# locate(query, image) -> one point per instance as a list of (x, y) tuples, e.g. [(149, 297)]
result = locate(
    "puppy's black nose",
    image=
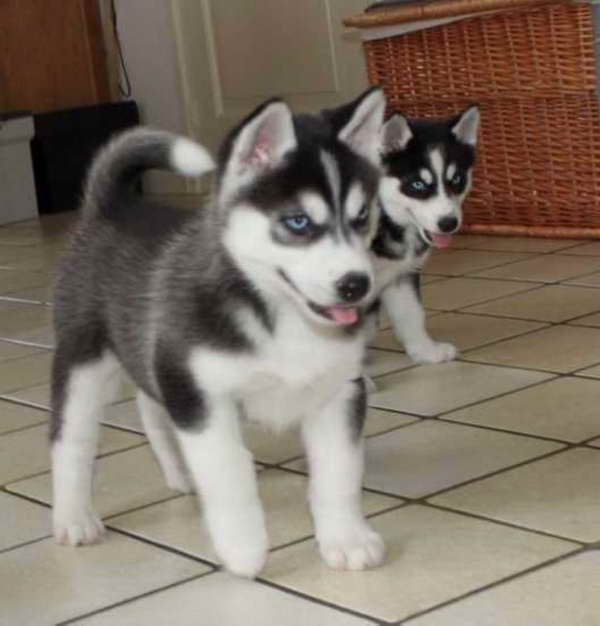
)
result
[(353, 286), (448, 224)]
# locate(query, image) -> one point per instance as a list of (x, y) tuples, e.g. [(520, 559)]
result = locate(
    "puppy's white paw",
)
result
[(432, 352), (355, 548), (179, 481), (78, 529), (245, 561)]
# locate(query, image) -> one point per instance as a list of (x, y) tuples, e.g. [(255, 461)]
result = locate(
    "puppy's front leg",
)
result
[(333, 439), (403, 305), (225, 477)]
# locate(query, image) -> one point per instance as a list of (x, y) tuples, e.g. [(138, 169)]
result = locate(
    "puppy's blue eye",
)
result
[(457, 180), (363, 214), (297, 223), (418, 185)]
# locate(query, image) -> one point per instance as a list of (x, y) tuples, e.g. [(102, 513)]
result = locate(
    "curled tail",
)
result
[(118, 166)]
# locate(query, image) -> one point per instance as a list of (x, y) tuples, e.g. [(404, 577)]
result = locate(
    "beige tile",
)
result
[(566, 409), (14, 280), (177, 523), (431, 278), (557, 495), (589, 280), (26, 322), (586, 248), (558, 349), (24, 372), (39, 258), (9, 350), (21, 521), (14, 416), (588, 320), (38, 295), (456, 263), (44, 583), (433, 389), (270, 447), (19, 316), (456, 293), (427, 457), (124, 415), (224, 601), (433, 557), (553, 303), (123, 481), (27, 452), (522, 244), (595, 442), (40, 395), (466, 240), (547, 268), (464, 331), (567, 592), (593, 372), (380, 362)]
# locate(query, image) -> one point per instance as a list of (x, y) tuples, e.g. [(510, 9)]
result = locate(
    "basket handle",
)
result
[(436, 9)]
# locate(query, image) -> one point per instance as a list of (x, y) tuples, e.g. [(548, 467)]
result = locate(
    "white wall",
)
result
[(147, 38)]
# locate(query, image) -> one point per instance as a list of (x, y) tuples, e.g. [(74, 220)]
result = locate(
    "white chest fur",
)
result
[(292, 372)]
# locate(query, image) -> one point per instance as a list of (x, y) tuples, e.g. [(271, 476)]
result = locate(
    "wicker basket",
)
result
[(530, 65)]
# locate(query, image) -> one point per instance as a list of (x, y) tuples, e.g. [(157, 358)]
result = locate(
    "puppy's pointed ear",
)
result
[(466, 126), (258, 144), (396, 133), (361, 129)]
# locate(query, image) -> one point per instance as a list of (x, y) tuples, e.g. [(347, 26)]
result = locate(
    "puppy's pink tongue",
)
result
[(441, 241), (342, 315)]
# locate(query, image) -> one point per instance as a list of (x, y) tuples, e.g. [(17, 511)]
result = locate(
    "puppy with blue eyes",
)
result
[(427, 175), (251, 308)]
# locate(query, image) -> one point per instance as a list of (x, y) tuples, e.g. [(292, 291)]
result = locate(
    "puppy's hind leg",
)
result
[(79, 390), (160, 433)]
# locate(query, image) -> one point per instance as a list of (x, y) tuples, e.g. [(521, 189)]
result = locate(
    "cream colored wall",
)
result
[(149, 47), (236, 53), (198, 66)]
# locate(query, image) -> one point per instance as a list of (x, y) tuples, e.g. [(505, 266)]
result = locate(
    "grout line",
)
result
[(23, 342), (23, 402), (72, 620), (20, 429), (24, 544), (104, 455), (502, 470), (497, 429), (537, 383), (315, 600), (25, 496), (466, 359), (164, 547), (107, 518), (496, 583), (501, 522)]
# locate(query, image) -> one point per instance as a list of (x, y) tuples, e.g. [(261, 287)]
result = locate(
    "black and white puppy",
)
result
[(427, 175), (253, 307)]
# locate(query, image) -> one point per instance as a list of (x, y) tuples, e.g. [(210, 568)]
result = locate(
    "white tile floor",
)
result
[(483, 475)]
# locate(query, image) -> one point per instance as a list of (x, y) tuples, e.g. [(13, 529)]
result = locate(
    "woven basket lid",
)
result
[(388, 14)]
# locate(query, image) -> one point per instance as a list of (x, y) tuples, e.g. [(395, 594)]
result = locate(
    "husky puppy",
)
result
[(427, 175), (253, 307)]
